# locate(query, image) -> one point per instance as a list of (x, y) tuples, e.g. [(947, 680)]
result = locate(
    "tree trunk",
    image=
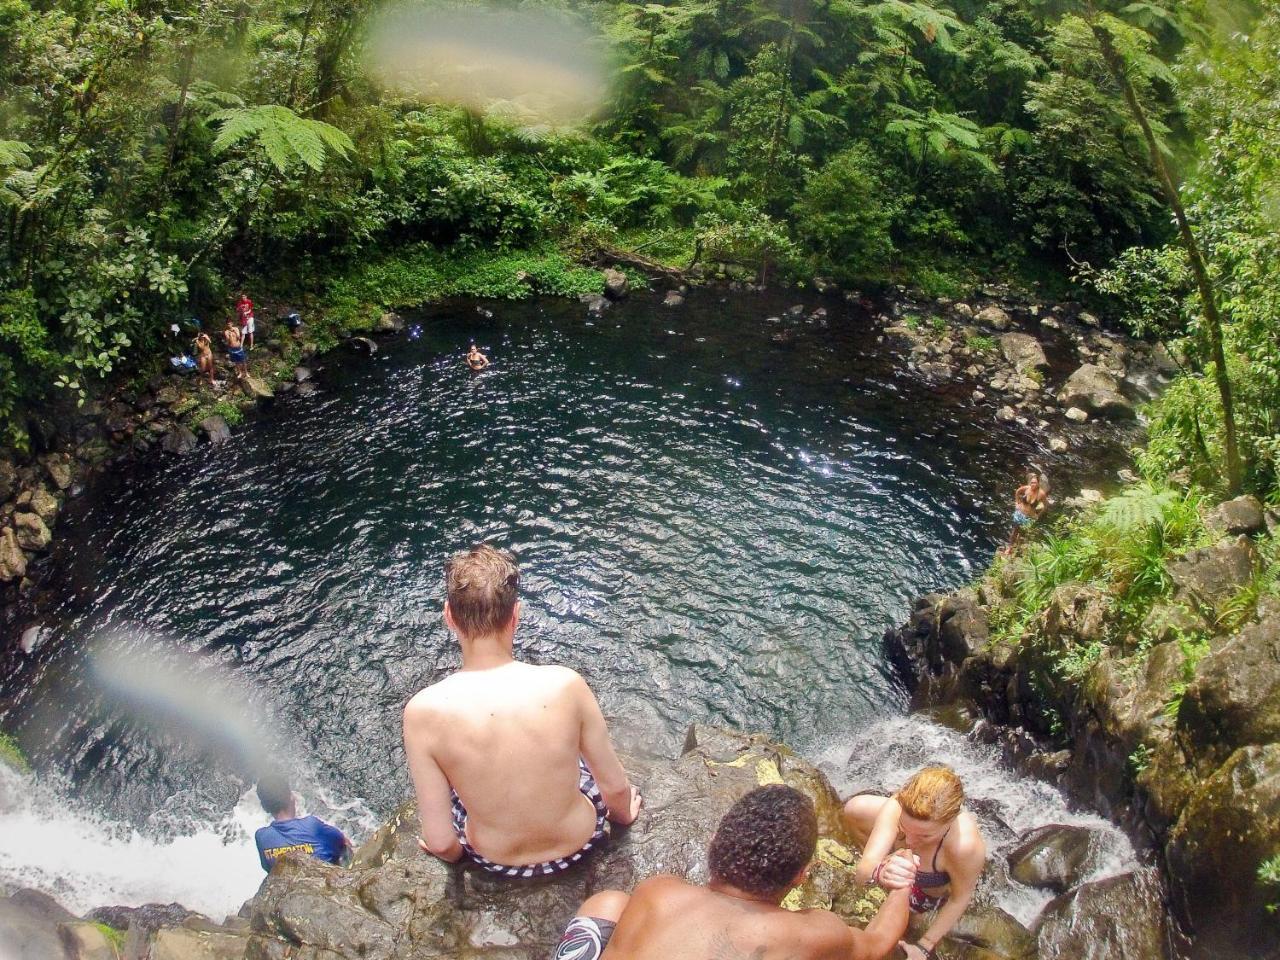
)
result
[(1204, 284)]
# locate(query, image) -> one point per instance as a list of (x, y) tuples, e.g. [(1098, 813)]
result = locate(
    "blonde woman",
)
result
[(922, 836)]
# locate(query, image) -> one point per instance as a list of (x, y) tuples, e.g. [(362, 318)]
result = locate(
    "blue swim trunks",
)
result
[(237, 355), (1020, 519)]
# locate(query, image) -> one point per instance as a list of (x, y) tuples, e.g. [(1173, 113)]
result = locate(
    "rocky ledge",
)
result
[(395, 902), (1181, 747)]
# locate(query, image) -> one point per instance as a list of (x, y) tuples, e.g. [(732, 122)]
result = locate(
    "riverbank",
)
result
[(1132, 658)]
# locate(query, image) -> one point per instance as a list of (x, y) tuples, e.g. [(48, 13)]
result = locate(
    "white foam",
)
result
[(85, 861), (882, 756)]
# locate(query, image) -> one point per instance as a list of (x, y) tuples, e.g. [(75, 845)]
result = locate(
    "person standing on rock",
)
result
[(927, 816), (1029, 504), (204, 356), (244, 311), (511, 763), (760, 852), (235, 349)]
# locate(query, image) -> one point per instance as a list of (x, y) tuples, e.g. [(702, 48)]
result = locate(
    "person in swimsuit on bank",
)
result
[(204, 356), (927, 817), (760, 852), (235, 349), (1029, 503), (476, 360), (511, 763)]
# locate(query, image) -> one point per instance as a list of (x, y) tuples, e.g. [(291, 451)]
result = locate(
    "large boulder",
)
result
[(215, 428), (29, 923), (993, 317), (61, 469), (1209, 576), (41, 502), (389, 322), (983, 932), (1097, 392), (1118, 917), (258, 388), (1076, 615), (616, 285), (1024, 352), (1229, 827), (179, 440), (1234, 698), (1243, 515), (31, 532), (13, 562), (396, 902), (1054, 857)]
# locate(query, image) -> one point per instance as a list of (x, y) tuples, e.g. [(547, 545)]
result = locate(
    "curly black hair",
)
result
[(765, 840)]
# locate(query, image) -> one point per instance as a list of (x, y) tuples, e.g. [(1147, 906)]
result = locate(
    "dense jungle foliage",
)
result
[(154, 155)]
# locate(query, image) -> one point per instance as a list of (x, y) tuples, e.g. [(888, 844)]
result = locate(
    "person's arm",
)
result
[(886, 928), (597, 749), (430, 786), (964, 881), (880, 841)]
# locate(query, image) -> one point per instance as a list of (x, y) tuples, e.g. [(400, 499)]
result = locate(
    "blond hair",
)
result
[(935, 793), (481, 585)]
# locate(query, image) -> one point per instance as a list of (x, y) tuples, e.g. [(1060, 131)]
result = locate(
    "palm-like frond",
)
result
[(284, 136)]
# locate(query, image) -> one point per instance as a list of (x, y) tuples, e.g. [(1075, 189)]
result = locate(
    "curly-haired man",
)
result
[(760, 852)]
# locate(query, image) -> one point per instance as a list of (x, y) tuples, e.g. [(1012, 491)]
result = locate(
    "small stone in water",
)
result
[(1077, 415)]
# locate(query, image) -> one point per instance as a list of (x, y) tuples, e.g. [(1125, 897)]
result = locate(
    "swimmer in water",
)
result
[(475, 359)]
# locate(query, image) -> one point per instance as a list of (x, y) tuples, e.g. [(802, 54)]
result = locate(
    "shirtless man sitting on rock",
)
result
[(511, 762), (760, 852)]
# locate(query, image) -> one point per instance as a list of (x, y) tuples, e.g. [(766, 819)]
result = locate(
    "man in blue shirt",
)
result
[(289, 833)]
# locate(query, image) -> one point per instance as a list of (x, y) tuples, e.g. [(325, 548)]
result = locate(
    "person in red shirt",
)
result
[(244, 310)]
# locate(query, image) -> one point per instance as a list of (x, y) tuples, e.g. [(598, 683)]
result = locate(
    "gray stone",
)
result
[(964, 311), (674, 298), (1024, 352), (301, 374), (1088, 319), (1058, 445), (31, 532), (986, 932), (1234, 698), (258, 389), (1118, 917), (84, 941), (306, 389), (29, 927), (59, 467), (993, 317), (185, 944), (1006, 414), (179, 440), (364, 344), (42, 503), (13, 562), (1095, 390), (1076, 415), (1054, 857), (1243, 515), (215, 429), (616, 285), (389, 322), (596, 304), (32, 639), (1211, 575)]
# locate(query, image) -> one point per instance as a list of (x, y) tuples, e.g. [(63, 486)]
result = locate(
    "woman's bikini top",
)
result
[(935, 877)]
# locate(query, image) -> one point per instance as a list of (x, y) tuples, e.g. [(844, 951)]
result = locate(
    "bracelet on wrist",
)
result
[(875, 874), (928, 951)]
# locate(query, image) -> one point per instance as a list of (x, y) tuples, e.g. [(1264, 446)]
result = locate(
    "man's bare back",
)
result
[(669, 918), (508, 740)]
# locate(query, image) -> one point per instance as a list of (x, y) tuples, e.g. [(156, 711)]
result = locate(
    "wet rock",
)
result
[(616, 285), (1234, 697), (1243, 515), (185, 944), (32, 639), (258, 389), (364, 345), (13, 562), (60, 470), (1211, 575), (301, 374), (1230, 824), (149, 916), (1053, 857), (85, 941), (1117, 917), (1024, 352), (215, 429), (1076, 415), (993, 317), (41, 502), (1096, 391), (395, 902), (596, 304), (674, 298), (963, 311), (389, 322), (986, 932), (1058, 445), (29, 923), (179, 440), (1006, 414), (31, 532), (1088, 319), (306, 389)]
